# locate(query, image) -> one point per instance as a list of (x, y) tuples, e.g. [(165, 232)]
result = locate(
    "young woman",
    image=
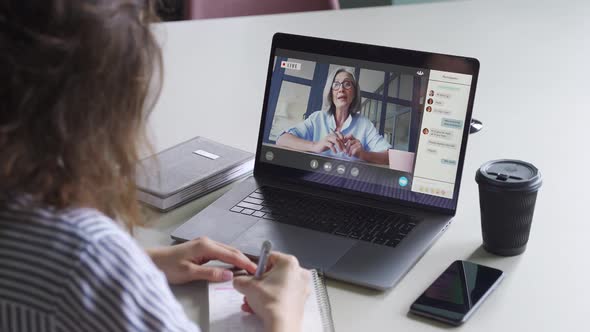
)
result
[(76, 76)]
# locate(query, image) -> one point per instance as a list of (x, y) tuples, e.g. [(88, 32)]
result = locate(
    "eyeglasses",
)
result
[(347, 85)]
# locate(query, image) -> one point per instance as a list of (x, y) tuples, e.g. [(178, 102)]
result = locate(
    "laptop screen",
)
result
[(378, 128)]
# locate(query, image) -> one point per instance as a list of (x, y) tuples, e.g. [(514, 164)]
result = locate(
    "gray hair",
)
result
[(355, 106)]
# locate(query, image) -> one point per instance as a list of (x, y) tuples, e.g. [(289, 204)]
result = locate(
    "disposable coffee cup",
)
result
[(507, 194)]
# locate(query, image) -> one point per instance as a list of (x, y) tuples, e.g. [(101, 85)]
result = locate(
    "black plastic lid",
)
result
[(510, 175)]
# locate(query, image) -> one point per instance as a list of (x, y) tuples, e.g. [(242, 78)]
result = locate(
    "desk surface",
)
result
[(530, 97)]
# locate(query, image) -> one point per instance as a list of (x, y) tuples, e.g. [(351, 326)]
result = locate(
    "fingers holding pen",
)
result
[(334, 141), (280, 293), (350, 142), (339, 136), (341, 140), (355, 149), (337, 144)]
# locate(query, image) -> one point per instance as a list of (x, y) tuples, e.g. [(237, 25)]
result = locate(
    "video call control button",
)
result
[(314, 164), (403, 181), (341, 169), (269, 155), (354, 172), (327, 166)]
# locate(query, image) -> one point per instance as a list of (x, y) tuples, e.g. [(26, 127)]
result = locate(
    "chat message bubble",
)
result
[(443, 95), (442, 111), (440, 144), (441, 133), (451, 123), (450, 162)]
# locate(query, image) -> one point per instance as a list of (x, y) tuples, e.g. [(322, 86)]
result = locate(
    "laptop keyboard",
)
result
[(339, 218)]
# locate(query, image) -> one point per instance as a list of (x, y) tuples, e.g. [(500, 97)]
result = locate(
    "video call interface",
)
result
[(377, 128)]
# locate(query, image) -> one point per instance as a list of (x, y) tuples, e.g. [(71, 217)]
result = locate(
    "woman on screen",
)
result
[(73, 109), (339, 130)]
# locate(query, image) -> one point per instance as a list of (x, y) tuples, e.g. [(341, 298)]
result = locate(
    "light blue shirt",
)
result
[(320, 124)]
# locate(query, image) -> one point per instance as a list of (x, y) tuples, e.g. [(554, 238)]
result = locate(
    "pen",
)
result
[(337, 134), (340, 136), (263, 259)]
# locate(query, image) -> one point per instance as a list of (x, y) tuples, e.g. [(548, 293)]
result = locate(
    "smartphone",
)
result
[(457, 292)]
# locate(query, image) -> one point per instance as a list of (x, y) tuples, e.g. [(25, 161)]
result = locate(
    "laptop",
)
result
[(359, 159)]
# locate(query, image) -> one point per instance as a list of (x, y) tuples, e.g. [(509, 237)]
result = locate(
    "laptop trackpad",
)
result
[(312, 249)]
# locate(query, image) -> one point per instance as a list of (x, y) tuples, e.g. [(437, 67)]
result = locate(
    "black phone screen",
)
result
[(457, 291)]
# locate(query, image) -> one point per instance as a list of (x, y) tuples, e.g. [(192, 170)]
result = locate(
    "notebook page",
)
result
[(225, 313)]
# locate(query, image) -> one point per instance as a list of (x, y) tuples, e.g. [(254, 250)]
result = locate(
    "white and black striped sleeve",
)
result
[(116, 287)]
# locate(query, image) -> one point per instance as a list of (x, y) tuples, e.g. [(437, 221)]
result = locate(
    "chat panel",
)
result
[(441, 132)]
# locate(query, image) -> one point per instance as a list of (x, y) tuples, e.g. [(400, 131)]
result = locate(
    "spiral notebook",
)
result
[(225, 313)]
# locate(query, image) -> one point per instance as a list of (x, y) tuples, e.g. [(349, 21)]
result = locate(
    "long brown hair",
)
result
[(76, 75)]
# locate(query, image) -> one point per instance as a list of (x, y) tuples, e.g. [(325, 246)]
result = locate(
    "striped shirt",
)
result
[(77, 270)]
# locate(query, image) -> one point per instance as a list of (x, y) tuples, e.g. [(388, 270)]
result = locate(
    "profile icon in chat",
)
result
[(429, 109), (430, 101), (431, 93), (425, 131)]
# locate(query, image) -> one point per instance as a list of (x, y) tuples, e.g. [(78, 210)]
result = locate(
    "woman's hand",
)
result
[(332, 141), (354, 148), (183, 262), (279, 296)]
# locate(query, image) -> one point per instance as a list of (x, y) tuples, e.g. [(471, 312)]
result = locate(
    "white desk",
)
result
[(532, 97)]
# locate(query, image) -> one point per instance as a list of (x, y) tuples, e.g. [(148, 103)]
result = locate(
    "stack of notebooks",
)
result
[(189, 170)]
